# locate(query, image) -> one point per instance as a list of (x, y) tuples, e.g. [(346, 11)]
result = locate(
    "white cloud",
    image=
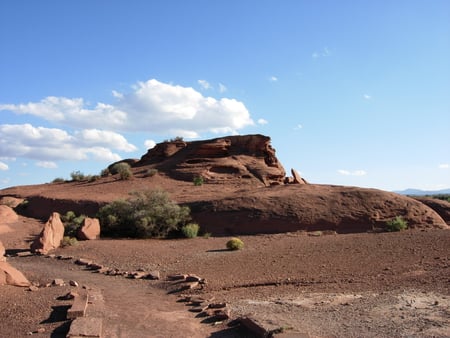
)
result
[(298, 127), (152, 106), (352, 173), (3, 166), (204, 84), (273, 79), (444, 166), (222, 88), (367, 96), (50, 144), (262, 121), (105, 138), (47, 164), (149, 144)]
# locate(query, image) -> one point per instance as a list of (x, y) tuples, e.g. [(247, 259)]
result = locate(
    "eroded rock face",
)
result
[(89, 230), (51, 236), (311, 207), (248, 157), (7, 215), (11, 276), (2, 252), (440, 206)]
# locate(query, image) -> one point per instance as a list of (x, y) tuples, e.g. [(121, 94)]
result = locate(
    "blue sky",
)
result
[(351, 92)]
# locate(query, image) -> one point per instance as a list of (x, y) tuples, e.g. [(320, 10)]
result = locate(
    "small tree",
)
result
[(144, 214)]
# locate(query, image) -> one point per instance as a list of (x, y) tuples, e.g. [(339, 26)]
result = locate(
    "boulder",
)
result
[(50, 237), (2, 252), (11, 276), (297, 178), (89, 230), (7, 215)]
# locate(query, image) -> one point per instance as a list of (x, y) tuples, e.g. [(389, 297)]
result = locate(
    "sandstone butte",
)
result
[(245, 190)]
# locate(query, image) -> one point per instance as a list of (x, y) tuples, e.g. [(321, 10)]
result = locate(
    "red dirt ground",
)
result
[(354, 285)]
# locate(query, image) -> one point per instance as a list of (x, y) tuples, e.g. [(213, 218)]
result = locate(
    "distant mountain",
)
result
[(418, 192)]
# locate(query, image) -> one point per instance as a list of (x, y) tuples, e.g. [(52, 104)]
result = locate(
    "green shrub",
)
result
[(59, 180), (190, 230), (396, 224), (69, 241), (72, 223), (207, 235), (198, 180), (105, 172), (77, 176), (235, 244), (143, 215), (123, 169), (150, 172)]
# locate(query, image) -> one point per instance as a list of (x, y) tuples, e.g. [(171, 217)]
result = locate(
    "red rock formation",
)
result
[(2, 252), (89, 230), (7, 215), (11, 276), (51, 236), (248, 157)]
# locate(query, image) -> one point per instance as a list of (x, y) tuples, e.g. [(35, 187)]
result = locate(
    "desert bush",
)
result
[(105, 172), (72, 223), (69, 241), (123, 169), (77, 176), (150, 172), (143, 215), (396, 224), (235, 244), (190, 230), (59, 180), (198, 180)]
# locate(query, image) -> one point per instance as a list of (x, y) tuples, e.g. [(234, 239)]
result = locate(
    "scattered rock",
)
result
[(153, 275), (73, 283), (58, 282), (70, 295), (33, 288), (176, 277), (24, 253), (79, 306), (193, 278), (11, 276), (51, 236), (7, 215), (86, 327), (253, 326), (297, 178), (89, 230), (83, 261)]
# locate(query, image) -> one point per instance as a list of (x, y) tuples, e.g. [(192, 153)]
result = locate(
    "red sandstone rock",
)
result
[(11, 276), (2, 252), (7, 215), (50, 237), (89, 230)]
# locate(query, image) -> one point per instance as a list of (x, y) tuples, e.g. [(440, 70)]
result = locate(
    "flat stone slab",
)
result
[(86, 327), (79, 306)]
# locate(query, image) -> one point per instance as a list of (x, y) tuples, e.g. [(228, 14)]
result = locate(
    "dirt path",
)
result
[(356, 285)]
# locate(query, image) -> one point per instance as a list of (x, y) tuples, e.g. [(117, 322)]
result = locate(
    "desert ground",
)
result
[(353, 285), (316, 260)]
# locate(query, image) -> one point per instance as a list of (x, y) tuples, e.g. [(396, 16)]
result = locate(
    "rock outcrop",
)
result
[(440, 206), (51, 236), (11, 276), (2, 252), (90, 229), (248, 157), (7, 215), (311, 207)]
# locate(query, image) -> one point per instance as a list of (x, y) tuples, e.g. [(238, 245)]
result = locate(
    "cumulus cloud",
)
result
[(3, 166), (262, 121), (204, 84), (149, 144), (151, 106), (444, 166), (47, 164), (50, 144), (352, 173)]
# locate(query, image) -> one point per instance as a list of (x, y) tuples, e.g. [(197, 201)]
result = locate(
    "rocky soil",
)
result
[(354, 285)]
